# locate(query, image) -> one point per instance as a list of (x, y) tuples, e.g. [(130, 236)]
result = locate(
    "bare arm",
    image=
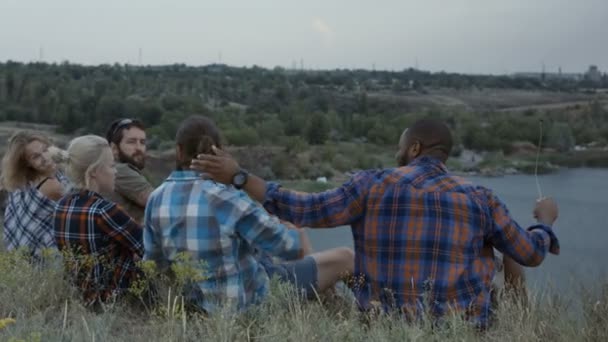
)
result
[(52, 189), (514, 275)]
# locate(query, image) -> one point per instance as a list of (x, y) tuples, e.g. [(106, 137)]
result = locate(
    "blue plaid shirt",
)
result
[(223, 228), (28, 219)]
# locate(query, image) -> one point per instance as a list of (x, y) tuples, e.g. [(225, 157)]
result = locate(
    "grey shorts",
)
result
[(301, 273)]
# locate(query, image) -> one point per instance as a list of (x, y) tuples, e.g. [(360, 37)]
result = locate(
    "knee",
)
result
[(347, 258)]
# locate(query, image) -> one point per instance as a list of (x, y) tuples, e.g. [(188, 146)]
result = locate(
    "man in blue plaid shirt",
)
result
[(233, 235)]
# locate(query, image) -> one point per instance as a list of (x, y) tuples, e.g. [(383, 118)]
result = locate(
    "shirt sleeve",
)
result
[(120, 227), (340, 206), (252, 223), (152, 239), (130, 183), (529, 246)]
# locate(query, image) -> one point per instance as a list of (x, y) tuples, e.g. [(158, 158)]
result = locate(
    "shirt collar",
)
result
[(186, 176), (429, 161), (86, 193)]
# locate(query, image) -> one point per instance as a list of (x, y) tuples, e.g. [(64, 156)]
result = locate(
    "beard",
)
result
[(137, 159)]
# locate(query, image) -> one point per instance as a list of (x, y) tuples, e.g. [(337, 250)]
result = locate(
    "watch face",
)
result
[(239, 179)]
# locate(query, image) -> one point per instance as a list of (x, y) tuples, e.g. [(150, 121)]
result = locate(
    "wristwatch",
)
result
[(240, 179)]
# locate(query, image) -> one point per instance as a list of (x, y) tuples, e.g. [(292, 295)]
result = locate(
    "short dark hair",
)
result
[(196, 135), (434, 137), (116, 130)]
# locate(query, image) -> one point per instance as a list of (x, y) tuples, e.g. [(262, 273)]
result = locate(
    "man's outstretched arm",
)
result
[(339, 206)]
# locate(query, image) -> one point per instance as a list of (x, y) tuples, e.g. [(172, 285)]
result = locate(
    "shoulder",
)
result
[(224, 195), (53, 189), (383, 177), (108, 211), (159, 194), (484, 193), (368, 176), (130, 180), (66, 199), (126, 170)]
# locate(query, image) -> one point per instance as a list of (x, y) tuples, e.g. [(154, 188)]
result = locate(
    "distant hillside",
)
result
[(302, 110)]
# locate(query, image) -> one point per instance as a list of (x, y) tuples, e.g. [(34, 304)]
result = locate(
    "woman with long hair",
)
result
[(34, 181), (99, 240)]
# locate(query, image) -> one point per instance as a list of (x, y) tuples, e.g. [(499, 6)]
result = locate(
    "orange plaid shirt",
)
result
[(423, 238), (104, 241)]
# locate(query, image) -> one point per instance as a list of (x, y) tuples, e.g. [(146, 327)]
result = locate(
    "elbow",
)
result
[(534, 261)]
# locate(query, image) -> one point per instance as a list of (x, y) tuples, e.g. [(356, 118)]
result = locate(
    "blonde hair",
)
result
[(16, 172), (85, 154)]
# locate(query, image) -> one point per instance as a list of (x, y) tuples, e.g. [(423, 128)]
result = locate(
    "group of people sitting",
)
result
[(424, 239)]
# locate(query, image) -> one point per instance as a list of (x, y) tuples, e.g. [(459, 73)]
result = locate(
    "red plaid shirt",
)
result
[(102, 241)]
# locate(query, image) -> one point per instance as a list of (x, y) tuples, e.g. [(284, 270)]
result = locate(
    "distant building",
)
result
[(593, 74), (549, 75)]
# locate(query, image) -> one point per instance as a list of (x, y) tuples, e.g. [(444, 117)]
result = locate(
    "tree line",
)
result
[(292, 108)]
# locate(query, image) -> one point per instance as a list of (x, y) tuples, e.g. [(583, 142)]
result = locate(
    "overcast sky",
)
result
[(470, 36)]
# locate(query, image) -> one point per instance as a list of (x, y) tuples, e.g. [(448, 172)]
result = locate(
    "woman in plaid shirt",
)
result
[(101, 241), (35, 183)]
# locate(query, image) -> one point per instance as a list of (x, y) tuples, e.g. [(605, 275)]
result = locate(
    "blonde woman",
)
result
[(93, 228), (34, 182)]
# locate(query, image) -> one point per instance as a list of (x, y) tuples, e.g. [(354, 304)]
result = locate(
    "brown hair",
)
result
[(116, 131), (196, 135), (16, 172)]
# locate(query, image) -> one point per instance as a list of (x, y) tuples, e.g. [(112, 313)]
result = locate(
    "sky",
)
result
[(466, 36)]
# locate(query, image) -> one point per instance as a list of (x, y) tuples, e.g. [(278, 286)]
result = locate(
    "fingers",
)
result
[(205, 165), (545, 199), (210, 157), (218, 152)]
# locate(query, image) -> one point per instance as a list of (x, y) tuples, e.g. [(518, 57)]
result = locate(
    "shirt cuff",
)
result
[(295, 252), (553, 241), (271, 190)]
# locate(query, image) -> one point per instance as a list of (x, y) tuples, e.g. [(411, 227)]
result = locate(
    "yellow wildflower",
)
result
[(5, 322)]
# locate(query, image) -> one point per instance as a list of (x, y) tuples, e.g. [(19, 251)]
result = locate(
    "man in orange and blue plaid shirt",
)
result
[(424, 238)]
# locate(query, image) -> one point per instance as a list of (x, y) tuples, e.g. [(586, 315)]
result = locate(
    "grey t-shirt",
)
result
[(129, 184)]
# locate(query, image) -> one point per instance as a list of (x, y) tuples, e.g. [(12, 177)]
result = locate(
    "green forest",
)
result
[(297, 109)]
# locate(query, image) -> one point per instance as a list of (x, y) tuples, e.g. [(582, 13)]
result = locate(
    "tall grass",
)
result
[(46, 308)]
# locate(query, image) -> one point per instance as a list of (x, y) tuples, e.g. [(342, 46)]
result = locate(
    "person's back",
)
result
[(219, 226), (428, 229), (233, 236), (100, 241)]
